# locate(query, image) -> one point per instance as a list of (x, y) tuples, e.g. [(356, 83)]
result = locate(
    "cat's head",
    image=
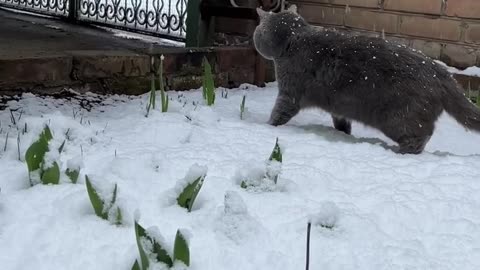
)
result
[(272, 35)]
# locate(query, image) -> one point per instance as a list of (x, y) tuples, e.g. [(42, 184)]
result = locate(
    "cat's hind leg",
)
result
[(285, 108), (342, 124), (411, 136)]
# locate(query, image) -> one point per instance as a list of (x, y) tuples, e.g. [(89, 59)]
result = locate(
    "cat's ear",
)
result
[(293, 9), (261, 13)]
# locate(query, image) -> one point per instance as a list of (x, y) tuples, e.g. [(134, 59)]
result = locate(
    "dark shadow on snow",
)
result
[(332, 135)]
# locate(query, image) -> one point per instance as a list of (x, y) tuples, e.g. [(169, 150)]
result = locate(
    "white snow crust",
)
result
[(388, 211)]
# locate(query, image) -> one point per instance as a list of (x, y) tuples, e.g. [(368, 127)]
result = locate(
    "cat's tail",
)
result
[(458, 106)]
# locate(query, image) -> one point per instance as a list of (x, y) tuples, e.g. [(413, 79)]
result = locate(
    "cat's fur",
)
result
[(382, 84)]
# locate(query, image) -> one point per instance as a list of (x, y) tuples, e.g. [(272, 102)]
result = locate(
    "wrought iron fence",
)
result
[(50, 7), (165, 18)]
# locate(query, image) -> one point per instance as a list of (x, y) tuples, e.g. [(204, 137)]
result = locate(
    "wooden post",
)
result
[(72, 11), (193, 23)]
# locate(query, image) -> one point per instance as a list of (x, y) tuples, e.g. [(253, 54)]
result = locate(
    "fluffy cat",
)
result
[(381, 84)]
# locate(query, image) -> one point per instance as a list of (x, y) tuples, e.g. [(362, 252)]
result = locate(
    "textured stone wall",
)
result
[(443, 29), (126, 72)]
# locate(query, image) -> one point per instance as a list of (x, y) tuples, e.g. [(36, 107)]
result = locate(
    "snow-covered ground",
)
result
[(388, 211)]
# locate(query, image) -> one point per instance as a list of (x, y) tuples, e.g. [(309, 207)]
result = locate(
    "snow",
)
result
[(233, 203), (52, 155), (193, 174), (144, 38), (186, 235), (469, 71), (327, 215), (388, 211), (75, 163), (154, 233), (259, 176)]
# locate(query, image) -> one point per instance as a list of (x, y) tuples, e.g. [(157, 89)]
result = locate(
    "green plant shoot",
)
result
[(242, 107), (163, 95), (272, 169), (160, 253), (72, 174), (97, 203), (276, 153), (180, 249), (36, 152), (139, 233), (208, 84), (102, 210), (275, 156), (151, 99), (35, 158), (136, 266), (50, 175), (189, 194)]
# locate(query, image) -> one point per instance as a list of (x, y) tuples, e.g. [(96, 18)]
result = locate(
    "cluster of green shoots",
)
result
[(271, 174), (107, 209), (103, 209), (163, 95), (48, 172), (181, 252), (208, 89)]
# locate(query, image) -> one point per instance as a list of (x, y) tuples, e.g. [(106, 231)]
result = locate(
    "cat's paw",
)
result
[(272, 123)]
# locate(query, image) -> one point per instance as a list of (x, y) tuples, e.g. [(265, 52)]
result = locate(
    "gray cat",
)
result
[(381, 84)]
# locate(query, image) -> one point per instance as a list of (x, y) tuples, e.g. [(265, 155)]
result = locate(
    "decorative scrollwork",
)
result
[(158, 17), (53, 7), (165, 17)]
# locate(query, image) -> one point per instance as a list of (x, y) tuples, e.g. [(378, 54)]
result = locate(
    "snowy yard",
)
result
[(388, 211)]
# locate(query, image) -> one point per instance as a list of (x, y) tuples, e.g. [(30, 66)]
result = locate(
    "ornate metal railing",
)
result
[(163, 17), (50, 7), (166, 18)]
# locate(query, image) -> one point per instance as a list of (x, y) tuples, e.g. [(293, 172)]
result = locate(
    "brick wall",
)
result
[(448, 30), (125, 72)]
